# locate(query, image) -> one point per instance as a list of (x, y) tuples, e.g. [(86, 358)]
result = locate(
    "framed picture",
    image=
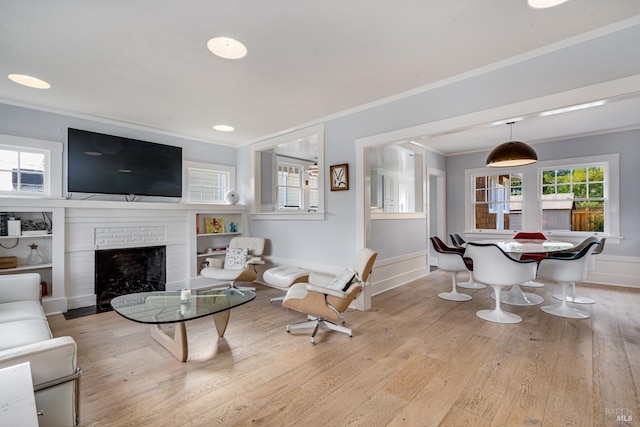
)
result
[(339, 177)]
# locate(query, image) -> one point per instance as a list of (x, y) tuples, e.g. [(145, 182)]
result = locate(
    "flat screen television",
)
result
[(106, 164)]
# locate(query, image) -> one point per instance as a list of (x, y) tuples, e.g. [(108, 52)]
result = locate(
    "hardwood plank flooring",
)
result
[(414, 360)]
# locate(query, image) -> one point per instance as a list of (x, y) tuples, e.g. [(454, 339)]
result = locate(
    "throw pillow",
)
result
[(343, 280), (236, 258)]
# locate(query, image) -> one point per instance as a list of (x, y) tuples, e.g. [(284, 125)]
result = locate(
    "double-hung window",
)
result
[(314, 191), (573, 197), (497, 201), (289, 187), (578, 196)]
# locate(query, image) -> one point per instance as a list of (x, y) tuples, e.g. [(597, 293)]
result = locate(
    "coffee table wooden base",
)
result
[(177, 344)]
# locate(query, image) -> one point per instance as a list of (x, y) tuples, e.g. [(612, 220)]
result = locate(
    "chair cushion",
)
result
[(236, 258), (284, 276), (21, 310), (343, 280), (22, 332)]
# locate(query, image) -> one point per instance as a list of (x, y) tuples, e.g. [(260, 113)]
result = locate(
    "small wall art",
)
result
[(339, 177)]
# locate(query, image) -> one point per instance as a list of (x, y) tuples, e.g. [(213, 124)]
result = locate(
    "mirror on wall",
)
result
[(395, 170), (288, 173)]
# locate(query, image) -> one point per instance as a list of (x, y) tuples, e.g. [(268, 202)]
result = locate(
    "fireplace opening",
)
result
[(127, 271)]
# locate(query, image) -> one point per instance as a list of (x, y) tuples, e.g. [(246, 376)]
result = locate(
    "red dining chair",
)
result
[(531, 235)]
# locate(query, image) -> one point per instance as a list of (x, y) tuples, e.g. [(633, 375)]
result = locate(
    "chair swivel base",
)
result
[(532, 284), (470, 284), (498, 316), (233, 286), (315, 323), (515, 296), (573, 297), (576, 299), (454, 296), (563, 310)]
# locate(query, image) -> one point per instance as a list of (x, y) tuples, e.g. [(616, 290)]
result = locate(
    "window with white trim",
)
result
[(573, 197), (289, 188), (314, 191), (207, 183), (22, 171), (30, 167), (497, 201)]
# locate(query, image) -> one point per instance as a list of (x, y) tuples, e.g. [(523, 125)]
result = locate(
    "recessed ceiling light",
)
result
[(543, 4), (572, 108), (226, 47), (224, 128), (29, 81)]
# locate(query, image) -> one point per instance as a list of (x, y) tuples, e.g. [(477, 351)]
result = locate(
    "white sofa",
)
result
[(25, 337)]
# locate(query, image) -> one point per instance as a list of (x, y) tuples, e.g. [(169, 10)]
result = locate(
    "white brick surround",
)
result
[(130, 235), (87, 230)]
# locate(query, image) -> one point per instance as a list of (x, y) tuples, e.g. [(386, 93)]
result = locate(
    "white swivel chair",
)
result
[(566, 271), (493, 267), (451, 260), (572, 296), (239, 265), (459, 242)]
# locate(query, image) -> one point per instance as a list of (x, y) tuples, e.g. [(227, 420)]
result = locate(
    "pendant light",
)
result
[(511, 153)]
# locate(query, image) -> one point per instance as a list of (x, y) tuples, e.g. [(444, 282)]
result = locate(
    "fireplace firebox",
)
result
[(127, 271)]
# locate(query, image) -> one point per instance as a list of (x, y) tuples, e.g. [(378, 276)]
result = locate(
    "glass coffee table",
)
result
[(157, 308)]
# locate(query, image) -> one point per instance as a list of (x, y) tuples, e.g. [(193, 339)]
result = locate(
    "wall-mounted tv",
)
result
[(105, 164)]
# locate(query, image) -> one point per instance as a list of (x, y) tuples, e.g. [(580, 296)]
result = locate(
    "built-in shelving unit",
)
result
[(20, 247), (214, 231)]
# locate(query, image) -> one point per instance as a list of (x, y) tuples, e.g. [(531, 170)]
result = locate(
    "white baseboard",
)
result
[(616, 271), (54, 305)]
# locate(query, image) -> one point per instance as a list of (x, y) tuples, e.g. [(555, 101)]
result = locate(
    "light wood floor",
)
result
[(413, 360)]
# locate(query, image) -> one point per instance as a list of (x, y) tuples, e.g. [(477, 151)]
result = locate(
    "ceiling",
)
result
[(146, 62)]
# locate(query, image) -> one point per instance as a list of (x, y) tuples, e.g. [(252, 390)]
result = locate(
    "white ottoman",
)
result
[(283, 277)]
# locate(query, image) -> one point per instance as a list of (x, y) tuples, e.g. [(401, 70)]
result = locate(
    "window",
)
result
[(30, 167), (314, 191), (560, 197), (207, 183), (289, 186), (497, 201), (21, 171), (573, 198), (288, 179)]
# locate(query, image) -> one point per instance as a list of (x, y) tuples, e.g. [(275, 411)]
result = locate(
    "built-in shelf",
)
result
[(218, 242), (26, 236), (27, 267), (212, 253), (219, 234)]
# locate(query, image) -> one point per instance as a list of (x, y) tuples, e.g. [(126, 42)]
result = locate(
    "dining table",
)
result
[(515, 248)]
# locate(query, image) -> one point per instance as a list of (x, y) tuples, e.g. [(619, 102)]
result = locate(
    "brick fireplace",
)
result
[(128, 270), (90, 231)]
